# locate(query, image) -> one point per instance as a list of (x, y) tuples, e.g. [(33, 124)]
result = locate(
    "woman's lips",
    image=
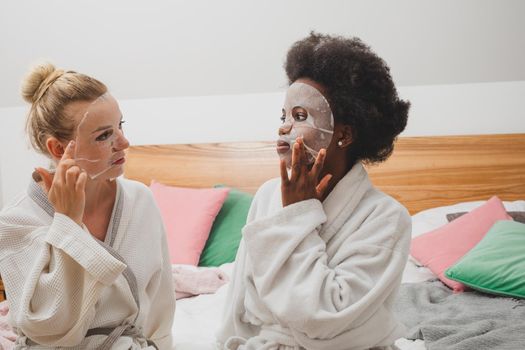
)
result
[(282, 146), (119, 161)]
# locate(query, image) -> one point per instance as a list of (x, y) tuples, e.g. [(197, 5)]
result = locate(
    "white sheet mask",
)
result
[(316, 128), (97, 133)]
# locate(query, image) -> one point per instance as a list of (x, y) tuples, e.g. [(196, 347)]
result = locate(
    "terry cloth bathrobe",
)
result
[(68, 289), (318, 275)]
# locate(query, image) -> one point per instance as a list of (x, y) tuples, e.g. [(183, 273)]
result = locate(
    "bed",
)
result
[(431, 176)]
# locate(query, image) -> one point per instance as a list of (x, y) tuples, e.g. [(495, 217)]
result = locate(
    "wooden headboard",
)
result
[(2, 290), (422, 173)]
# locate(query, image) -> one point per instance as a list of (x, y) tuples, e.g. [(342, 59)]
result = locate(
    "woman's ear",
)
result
[(55, 147), (344, 136)]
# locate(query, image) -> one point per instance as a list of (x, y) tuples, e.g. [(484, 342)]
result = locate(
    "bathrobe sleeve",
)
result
[(55, 274), (305, 292), (160, 318)]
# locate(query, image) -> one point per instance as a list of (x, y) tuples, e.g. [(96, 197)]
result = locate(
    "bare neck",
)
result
[(99, 194)]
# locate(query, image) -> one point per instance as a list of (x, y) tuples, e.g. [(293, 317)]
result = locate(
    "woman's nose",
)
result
[(285, 128), (121, 142)]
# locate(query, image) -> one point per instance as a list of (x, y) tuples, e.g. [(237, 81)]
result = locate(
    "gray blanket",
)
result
[(465, 321)]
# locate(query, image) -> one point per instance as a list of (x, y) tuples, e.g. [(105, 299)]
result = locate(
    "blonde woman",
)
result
[(83, 253)]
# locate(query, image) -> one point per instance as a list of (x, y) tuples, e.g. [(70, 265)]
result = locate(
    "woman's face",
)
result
[(100, 142), (307, 114)]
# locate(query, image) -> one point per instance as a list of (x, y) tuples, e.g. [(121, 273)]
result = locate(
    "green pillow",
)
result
[(497, 263), (225, 236)]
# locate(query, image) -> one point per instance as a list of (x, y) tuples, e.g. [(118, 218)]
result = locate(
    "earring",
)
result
[(340, 143)]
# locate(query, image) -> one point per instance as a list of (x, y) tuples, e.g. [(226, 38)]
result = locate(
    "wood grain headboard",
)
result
[(2, 290), (422, 173)]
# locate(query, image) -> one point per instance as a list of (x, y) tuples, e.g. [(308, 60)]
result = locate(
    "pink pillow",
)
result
[(443, 247), (188, 214)]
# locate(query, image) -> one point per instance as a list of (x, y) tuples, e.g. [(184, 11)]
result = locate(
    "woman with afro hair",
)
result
[(323, 251)]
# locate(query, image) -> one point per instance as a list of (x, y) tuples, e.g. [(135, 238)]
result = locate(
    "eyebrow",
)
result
[(101, 128), (106, 126)]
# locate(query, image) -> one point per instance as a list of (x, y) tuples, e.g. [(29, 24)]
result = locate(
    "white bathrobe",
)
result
[(63, 284), (318, 275)]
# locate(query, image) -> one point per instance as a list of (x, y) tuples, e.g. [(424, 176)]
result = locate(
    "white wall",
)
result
[(481, 108), (166, 48)]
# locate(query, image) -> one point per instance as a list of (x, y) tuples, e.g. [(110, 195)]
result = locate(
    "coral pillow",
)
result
[(188, 215), (443, 247)]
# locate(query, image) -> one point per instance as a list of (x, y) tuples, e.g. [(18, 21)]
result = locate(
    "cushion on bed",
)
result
[(225, 235), (441, 248), (518, 216), (188, 215), (497, 263)]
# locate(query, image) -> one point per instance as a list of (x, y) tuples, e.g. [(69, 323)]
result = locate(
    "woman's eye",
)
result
[(120, 124), (300, 117), (104, 136), (283, 118)]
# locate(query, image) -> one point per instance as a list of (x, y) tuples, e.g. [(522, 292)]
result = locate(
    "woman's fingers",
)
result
[(46, 177), (69, 152), (303, 183), (62, 167), (72, 175), (303, 157), (319, 163), (323, 185), (66, 162), (296, 161), (300, 165), (66, 192), (81, 182), (284, 172)]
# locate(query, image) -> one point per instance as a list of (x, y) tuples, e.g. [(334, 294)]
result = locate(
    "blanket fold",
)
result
[(464, 321), (190, 280)]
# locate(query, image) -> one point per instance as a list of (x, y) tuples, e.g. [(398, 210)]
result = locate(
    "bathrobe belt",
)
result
[(115, 333), (125, 329)]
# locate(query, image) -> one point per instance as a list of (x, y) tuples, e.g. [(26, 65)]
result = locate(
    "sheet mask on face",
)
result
[(318, 126), (97, 133)]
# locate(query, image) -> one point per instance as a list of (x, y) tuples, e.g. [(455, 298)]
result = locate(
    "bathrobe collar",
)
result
[(37, 194), (350, 191)]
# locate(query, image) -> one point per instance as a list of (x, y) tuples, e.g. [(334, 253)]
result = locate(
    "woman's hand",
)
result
[(66, 189), (303, 183)]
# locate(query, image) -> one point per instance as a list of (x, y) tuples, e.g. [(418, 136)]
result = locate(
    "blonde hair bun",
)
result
[(39, 78), (49, 90)]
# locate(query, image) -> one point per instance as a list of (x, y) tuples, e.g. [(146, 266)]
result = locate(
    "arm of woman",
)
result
[(306, 292), (160, 318), (54, 276)]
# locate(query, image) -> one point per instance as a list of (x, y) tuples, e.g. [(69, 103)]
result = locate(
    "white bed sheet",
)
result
[(197, 318)]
